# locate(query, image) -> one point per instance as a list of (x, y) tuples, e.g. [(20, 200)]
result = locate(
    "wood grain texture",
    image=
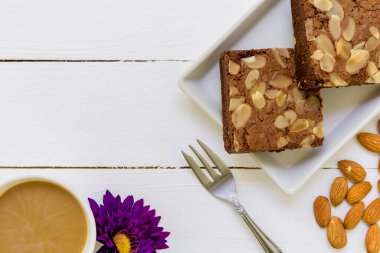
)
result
[(107, 115), (200, 223), (118, 29)]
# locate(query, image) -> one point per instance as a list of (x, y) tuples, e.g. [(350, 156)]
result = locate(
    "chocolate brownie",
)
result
[(337, 42), (263, 109)]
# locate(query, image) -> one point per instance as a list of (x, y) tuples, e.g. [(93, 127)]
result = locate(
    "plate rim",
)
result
[(184, 82)]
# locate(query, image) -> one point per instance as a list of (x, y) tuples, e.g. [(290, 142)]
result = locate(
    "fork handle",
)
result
[(268, 245)]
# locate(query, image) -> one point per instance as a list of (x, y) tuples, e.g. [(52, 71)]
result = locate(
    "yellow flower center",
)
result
[(122, 243)]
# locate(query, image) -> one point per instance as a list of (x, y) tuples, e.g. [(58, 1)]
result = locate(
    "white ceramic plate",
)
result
[(346, 110)]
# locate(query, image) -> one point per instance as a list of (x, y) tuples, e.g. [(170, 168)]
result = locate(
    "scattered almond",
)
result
[(353, 216), (358, 191), (372, 212), (352, 170), (338, 190), (336, 234), (322, 211), (370, 141), (372, 239)]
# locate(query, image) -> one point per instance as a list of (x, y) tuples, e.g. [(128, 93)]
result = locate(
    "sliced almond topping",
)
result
[(290, 98), (370, 80), (241, 115), (277, 56), (376, 77), (298, 94), (343, 49), (281, 81), (337, 80), (260, 87), (311, 124), (299, 126), (251, 78), (258, 100), (233, 67), (323, 5), (324, 44), (234, 91), (334, 27), (284, 52), (319, 130), (307, 141), (337, 9), (317, 55), (237, 145), (313, 103), (327, 63), (290, 116), (309, 30), (281, 122), (371, 44), (282, 142), (235, 102), (358, 60), (358, 46), (300, 107), (255, 62), (281, 98), (375, 32), (372, 68), (271, 94), (349, 31)]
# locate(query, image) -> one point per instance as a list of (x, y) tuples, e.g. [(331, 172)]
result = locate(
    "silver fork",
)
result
[(223, 187)]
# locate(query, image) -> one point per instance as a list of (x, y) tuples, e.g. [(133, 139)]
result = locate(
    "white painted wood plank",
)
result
[(199, 223), (108, 114), (118, 29)]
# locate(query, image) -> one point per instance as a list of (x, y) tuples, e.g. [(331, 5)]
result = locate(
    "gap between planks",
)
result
[(101, 61), (131, 167)]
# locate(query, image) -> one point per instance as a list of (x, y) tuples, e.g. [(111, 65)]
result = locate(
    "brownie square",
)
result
[(262, 107), (337, 42)]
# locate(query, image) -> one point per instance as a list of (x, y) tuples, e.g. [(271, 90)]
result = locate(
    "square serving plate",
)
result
[(346, 110)]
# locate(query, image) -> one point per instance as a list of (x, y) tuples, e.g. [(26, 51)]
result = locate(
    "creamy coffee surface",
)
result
[(41, 217)]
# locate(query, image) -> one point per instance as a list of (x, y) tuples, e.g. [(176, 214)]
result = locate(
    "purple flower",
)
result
[(127, 226)]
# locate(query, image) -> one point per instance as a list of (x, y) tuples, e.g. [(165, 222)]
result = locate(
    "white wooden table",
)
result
[(88, 91)]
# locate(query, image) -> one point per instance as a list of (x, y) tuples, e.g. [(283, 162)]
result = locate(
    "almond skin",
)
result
[(352, 170), (370, 141), (338, 190), (322, 211), (336, 234), (372, 239), (358, 191), (353, 216), (372, 212)]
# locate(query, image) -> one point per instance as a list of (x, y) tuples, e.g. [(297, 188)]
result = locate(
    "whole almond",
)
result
[(338, 190), (372, 239), (322, 211), (358, 191), (353, 216), (336, 234), (352, 170), (372, 212), (370, 141)]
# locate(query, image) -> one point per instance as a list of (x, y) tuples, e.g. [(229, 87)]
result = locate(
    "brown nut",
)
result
[(322, 211), (338, 190), (352, 170)]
